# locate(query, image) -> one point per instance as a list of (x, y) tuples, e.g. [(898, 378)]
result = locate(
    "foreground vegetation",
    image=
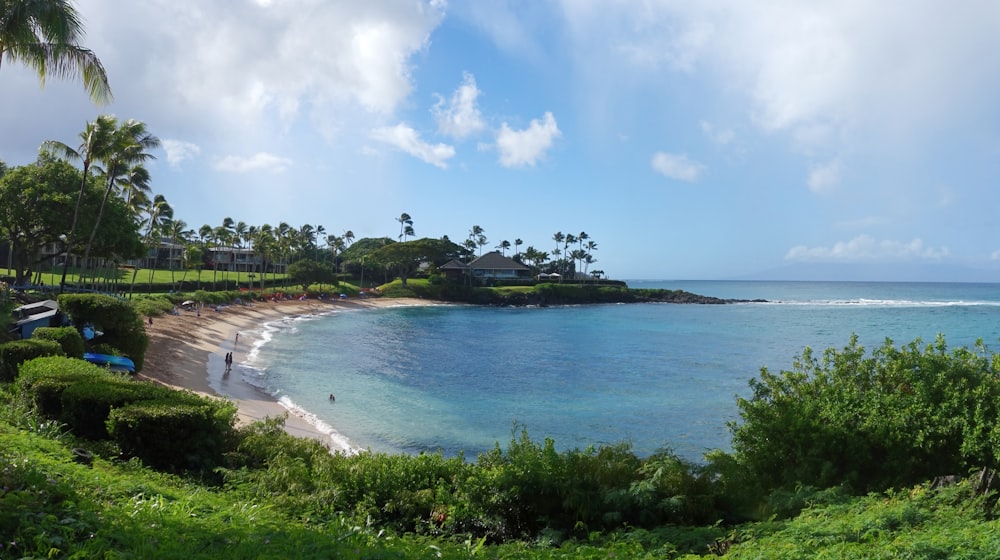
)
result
[(850, 454)]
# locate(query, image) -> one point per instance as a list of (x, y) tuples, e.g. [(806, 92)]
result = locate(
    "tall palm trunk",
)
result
[(97, 222)]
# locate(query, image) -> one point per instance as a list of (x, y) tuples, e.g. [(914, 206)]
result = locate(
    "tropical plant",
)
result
[(405, 226), (44, 35), (892, 418)]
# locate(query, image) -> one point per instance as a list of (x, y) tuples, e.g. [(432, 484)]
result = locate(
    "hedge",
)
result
[(178, 434), (67, 337), (43, 381), (13, 354)]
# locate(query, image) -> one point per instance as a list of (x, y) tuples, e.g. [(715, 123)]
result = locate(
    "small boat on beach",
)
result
[(115, 363)]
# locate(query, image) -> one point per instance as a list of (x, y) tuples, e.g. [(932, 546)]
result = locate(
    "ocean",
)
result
[(463, 379)]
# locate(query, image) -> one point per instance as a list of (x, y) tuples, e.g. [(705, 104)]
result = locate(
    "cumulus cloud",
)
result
[(867, 248), (179, 151), (677, 166), (269, 60), (459, 116), (520, 148), (258, 162), (823, 178), (408, 140)]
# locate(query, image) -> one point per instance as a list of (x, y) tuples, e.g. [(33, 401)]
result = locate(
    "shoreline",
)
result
[(187, 352)]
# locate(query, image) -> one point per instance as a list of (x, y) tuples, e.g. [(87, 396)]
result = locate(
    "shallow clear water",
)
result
[(456, 378)]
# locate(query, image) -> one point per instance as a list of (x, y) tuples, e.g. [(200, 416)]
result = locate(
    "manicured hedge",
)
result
[(67, 337), (182, 433), (168, 429), (43, 381), (13, 354)]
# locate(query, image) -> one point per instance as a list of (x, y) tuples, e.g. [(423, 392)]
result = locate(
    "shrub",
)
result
[(894, 418), (67, 337), (87, 404), (180, 433), (121, 325), (13, 354), (43, 380), (153, 306)]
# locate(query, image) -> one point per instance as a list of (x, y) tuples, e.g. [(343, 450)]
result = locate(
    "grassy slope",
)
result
[(51, 506)]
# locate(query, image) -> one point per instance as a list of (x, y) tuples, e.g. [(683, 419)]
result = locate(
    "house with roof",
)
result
[(491, 266)]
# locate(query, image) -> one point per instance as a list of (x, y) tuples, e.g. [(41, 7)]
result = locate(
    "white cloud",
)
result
[(408, 140), (258, 162), (677, 166), (823, 178), (178, 151), (831, 71), (519, 148), (867, 248), (265, 61), (459, 117)]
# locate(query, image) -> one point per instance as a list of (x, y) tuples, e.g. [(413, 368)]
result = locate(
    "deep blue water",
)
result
[(455, 378)]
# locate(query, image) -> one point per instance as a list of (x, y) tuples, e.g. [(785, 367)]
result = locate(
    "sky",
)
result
[(718, 139)]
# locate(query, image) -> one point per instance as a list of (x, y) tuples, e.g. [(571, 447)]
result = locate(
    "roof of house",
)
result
[(453, 264), (495, 261)]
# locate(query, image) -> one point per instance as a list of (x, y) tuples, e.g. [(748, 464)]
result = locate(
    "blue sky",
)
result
[(690, 140)]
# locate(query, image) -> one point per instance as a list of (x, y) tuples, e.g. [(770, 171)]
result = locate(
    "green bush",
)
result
[(67, 337), (87, 404), (43, 380), (152, 306), (13, 354), (121, 325), (181, 433), (894, 418)]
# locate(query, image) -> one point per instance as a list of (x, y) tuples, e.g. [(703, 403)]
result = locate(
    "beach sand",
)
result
[(187, 351)]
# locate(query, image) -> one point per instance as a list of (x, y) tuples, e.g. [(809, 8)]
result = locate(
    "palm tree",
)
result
[(503, 246), (589, 259), (558, 237), (567, 241), (160, 213), (405, 226), (95, 141), (134, 187), (580, 239), (178, 231), (129, 145), (348, 237), (43, 34), (204, 235), (517, 252)]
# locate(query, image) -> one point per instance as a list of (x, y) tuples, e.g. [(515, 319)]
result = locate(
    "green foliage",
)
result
[(894, 418), (68, 338), (950, 523), (15, 353), (43, 380), (122, 326), (306, 272), (152, 306), (183, 433), (87, 404)]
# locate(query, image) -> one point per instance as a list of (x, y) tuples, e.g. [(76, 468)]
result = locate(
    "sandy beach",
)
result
[(187, 351)]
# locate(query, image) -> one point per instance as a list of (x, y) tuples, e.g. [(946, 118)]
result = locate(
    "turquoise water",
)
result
[(455, 378)]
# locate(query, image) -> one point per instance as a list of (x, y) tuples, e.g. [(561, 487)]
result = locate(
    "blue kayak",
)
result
[(115, 363)]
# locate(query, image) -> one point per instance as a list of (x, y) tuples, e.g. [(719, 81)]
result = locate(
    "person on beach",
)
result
[(332, 398)]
